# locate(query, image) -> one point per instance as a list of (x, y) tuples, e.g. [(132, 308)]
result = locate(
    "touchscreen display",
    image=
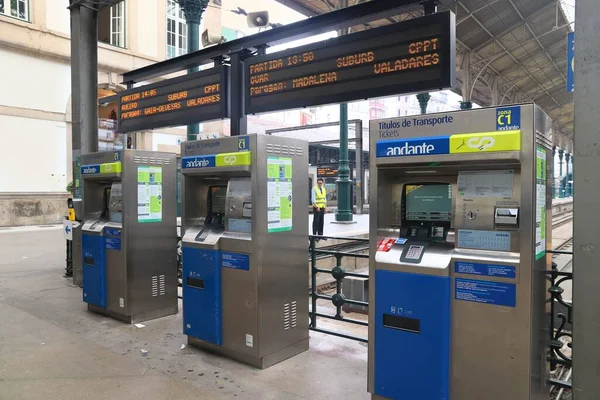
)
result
[(431, 202)]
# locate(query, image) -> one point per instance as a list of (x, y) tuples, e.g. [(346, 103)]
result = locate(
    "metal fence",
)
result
[(338, 273), (561, 325)]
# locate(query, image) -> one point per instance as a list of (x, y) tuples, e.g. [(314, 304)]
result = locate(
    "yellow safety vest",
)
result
[(321, 198)]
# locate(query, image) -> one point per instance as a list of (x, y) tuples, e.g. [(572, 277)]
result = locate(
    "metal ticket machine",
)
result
[(245, 223), (460, 224), (129, 234)]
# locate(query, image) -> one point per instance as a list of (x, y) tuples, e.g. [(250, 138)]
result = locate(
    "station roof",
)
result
[(518, 45)]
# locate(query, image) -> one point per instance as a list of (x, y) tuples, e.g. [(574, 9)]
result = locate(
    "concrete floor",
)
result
[(51, 347)]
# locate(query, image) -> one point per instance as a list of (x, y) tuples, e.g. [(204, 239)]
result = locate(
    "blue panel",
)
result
[(496, 293), (413, 363), (208, 161), (94, 270), (504, 271), (570, 62), (414, 147), (90, 169), (235, 261), (508, 118), (202, 294)]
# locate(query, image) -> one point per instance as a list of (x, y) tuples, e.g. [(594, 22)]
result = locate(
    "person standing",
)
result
[(319, 203)]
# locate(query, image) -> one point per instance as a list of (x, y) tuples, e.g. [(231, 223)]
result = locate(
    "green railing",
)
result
[(350, 248)]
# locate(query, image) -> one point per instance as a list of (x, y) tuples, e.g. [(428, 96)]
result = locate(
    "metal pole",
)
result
[(561, 188), (193, 10), (553, 172), (238, 118), (84, 80), (586, 222), (344, 211), (360, 171), (429, 7), (567, 185)]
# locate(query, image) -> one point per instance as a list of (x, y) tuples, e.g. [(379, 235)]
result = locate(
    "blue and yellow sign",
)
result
[(508, 118), (106, 168), (485, 142), (218, 160)]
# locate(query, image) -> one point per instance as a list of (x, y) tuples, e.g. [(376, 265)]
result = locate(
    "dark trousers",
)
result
[(318, 220)]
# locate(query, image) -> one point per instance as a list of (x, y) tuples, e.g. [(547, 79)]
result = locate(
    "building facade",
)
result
[(35, 101)]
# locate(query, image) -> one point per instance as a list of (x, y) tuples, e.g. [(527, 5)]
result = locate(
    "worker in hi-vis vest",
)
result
[(319, 203)]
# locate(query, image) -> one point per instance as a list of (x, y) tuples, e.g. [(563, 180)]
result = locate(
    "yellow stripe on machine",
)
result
[(486, 142)]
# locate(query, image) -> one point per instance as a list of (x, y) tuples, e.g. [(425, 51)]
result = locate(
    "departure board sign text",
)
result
[(407, 57), (193, 98)]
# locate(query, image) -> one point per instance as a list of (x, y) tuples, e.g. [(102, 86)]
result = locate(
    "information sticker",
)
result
[(485, 183), (496, 293), (279, 194), (149, 194)]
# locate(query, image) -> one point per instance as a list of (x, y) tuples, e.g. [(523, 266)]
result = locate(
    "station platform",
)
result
[(52, 347)]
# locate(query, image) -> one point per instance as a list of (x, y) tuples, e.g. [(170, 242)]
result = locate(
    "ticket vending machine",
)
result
[(460, 224), (245, 225), (129, 241)]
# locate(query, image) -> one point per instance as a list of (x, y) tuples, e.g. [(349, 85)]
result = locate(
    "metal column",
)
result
[(586, 223), (360, 172), (193, 10), (84, 80), (561, 187), (344, 211)]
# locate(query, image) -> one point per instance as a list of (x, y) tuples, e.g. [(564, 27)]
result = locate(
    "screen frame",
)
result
[(406, 221)]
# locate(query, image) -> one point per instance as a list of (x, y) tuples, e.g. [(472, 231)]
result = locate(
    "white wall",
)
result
[(58, 17), (166, 139), (147, 20), (33, 155), (34, 83)]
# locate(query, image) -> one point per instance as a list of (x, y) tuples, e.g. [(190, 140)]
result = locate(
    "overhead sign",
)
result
[(412, 56), (323, 172), (486, 142), (570, 61), (188, 99)]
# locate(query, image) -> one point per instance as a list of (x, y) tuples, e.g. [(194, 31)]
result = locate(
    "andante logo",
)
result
[(90, 170), (197, 163), (410, 150)]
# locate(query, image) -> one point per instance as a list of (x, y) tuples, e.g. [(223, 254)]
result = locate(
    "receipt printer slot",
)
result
[(506, 218)]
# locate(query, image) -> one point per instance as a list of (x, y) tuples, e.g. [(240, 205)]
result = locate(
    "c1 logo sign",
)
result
[(508, 118), (243, 144)]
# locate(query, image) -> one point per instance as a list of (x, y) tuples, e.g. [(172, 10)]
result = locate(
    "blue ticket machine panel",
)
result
[(94, 270), (202, 293)]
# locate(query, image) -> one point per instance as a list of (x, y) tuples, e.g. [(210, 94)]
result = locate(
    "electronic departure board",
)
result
[(200, 96), (411, 56)]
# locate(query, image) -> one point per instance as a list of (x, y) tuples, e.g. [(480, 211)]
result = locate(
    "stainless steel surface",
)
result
[(586, 220), (77, 256), (258, 302), (496, 352), (141, 277)]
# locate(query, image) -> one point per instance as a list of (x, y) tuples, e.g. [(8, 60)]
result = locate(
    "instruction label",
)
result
[(112, 243), (279, 194), (496, 293), (503, 271), (484, 240), (540, 207), (485, 183), (235, 261), (149, 197)]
